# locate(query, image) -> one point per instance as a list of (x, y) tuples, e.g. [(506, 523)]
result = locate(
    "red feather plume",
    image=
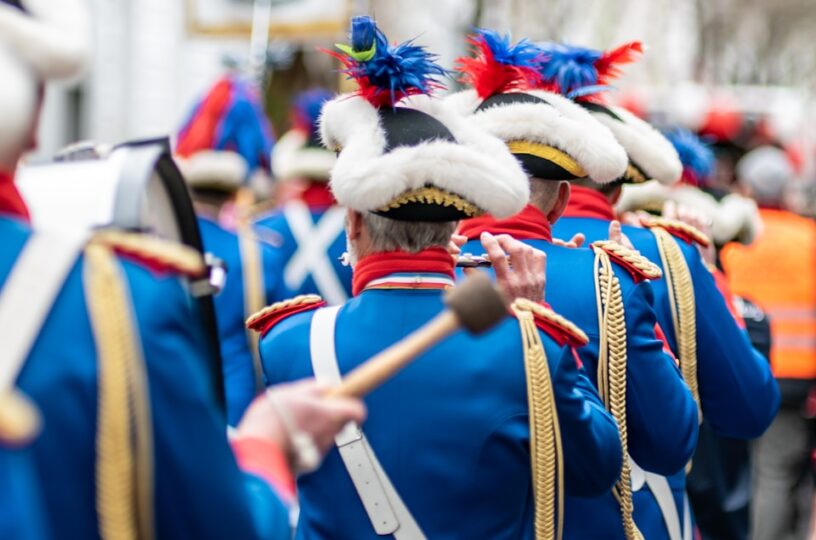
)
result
[(608, 65), (488, 76)]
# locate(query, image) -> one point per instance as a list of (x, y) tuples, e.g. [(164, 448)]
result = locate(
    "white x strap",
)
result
[(312, 253)]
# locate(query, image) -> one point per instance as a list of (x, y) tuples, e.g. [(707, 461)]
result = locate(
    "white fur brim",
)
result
[(646, 147), (218, 169), (17, 104), (292, 160), (54, 38), (562, 125), (477, 167)]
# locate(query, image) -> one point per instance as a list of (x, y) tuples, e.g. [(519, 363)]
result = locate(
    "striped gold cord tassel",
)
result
[(612, 365), (546, 455), (683, 309), (254, 296), (123, 487)]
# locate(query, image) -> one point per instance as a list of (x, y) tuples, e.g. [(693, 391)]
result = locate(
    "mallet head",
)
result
[(477, 303)]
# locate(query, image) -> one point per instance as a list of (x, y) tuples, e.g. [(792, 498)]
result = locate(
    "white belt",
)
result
[(385, 509)]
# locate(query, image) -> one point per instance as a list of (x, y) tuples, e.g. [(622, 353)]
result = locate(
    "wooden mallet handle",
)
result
[(475, 305)]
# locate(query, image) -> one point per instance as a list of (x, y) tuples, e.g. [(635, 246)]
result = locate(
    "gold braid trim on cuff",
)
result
[(124, 481), (434, 195), (546, 454), (303, 299), (683, 309), (612, 366), (673, 226), (634, 259), (181, 258)]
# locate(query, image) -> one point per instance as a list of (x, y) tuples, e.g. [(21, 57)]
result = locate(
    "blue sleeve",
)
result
[(199, 490), (738, 392), (660, 411), (21, 508), (589, 434)]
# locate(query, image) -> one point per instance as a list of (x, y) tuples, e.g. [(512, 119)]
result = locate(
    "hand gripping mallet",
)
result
[(476, 306)]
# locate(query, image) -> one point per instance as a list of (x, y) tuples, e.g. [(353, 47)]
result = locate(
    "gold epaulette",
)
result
[(636, 264), (265, 319), (678, 229), (156, 253), (559, 328)]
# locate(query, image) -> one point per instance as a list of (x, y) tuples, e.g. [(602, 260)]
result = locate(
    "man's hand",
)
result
[(616, 234), (575, 242), (456, 243), (299, 408), (520, 269)]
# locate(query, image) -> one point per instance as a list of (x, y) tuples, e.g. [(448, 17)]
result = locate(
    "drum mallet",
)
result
[(476, 306)]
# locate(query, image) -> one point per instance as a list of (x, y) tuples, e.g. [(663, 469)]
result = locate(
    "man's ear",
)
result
[(561, 201), (354, 224)]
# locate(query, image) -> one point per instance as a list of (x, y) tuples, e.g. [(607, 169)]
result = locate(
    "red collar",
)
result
[(318, 195), (10, 200), (529, 224), (585, 202), (433, 260)]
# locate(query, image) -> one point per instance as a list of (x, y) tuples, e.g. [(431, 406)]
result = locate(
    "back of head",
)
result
[(766, 171)]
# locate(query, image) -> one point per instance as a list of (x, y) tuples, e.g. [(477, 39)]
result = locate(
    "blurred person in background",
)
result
[(307, 229), (225, 143), (778, 272)]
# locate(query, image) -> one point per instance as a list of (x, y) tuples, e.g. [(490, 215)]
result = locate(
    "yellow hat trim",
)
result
[(434, 195), (549, 153)]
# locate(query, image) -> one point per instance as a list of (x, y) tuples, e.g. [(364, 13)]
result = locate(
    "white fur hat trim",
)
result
[(478, 167), (563, 125), (292, 159), (647, 148), (218, 169)]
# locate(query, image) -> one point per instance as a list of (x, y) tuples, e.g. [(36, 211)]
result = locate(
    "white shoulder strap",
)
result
[(661, 491), (312, 256), (385, 509), (28, 294)]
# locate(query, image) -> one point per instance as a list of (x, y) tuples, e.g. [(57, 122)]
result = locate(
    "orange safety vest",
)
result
[(778, 272)]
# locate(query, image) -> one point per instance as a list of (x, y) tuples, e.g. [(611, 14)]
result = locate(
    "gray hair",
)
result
[(767, 171), (411, 236)]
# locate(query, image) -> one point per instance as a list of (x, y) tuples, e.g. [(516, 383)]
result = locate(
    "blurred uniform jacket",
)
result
[(778, 273), (309, 236), (661, 414), (738, 395), (231, 310), (451, 430), (21, 511), (196, 482)]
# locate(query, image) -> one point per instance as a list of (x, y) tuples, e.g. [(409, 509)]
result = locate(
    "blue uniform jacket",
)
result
[(199, 490), (738, 394), (661, 414), (451, 430), (239, 374), (21, 512), (324, 274)]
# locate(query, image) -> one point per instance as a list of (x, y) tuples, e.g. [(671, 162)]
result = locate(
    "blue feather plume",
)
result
[(569, 69), (386, 73), (697, 157)]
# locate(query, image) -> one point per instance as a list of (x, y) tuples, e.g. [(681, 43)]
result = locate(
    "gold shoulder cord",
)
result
[(612, 362), (546, 456), (124, 484), (254, 297), (683, 308)]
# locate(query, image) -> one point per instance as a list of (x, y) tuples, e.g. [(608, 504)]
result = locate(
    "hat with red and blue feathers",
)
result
[(299, 154), (227, 137), (584, 75), (552, 137), (403, 154)]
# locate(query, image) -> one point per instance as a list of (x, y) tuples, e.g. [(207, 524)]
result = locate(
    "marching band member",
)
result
[(226, 141), (307, 229), (729, 379), (99, 343), (449, 439)]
